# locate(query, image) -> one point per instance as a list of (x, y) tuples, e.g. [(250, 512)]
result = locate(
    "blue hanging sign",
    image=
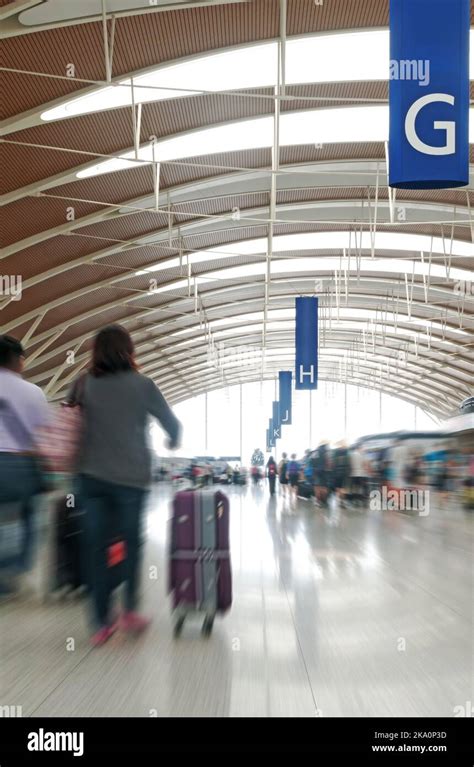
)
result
[(284, 397), (272, 441), (429, 94), (276, 421), (306, 343)]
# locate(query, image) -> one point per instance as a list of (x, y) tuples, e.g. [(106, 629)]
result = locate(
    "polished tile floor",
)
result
[(341, 613)]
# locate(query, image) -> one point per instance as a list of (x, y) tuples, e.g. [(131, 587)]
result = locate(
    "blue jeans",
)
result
[(111, 511), (20, 482)]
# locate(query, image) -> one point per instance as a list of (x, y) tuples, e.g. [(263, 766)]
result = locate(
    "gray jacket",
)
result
[(116, 410)]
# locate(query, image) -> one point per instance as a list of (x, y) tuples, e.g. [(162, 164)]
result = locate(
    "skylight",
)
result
[(348, 56), (316, 266), (324, 241), (321, 126)]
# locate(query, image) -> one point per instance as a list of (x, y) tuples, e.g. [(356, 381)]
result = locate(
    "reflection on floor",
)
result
[(335, 614)]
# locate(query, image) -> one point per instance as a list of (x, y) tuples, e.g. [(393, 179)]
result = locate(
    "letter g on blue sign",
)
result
[(429, 121)]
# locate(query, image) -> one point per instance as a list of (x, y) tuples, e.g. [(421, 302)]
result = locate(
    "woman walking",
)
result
[(271, 474), (114, 468)]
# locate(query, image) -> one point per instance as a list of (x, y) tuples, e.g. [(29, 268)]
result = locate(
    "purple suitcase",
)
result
[(200, 577)]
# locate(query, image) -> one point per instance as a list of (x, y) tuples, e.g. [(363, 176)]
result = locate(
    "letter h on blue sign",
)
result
[(306, 343)]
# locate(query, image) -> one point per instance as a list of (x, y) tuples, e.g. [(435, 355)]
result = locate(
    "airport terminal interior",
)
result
[(212, 177)]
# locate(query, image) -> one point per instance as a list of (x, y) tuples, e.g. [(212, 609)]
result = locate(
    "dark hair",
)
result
[(10, 350), (113, 351)]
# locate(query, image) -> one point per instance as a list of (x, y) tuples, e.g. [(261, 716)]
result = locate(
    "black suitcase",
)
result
[(69, 566), (305, 490), (11, 535)]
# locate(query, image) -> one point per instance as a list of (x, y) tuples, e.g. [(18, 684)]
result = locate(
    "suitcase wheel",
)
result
[(178, 626), (207, 625)]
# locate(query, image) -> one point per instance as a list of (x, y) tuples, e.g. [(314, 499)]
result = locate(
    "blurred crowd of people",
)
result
[(350, 473)]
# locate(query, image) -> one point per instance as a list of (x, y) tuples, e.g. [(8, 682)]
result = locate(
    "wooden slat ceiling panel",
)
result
[(44, 256), (145, 40), (30, 215), (60, 286), (337, 14), (140, 41), (78, 306), (140, 256)]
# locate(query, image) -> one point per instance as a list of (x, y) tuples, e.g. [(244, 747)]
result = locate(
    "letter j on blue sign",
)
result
[(284, 398), (306, 343), (429, 94)]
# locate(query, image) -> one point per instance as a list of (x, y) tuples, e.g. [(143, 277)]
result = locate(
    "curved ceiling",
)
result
[(255, 200)]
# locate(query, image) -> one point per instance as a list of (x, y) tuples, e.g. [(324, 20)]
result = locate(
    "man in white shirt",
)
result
[(23, 410)]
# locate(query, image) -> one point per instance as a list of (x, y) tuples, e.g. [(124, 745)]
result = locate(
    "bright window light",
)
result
[(316, 266), (317, 126), (348, 56), (328, 240), (346, 314), (399, 241), (347, 321), (388, 266)]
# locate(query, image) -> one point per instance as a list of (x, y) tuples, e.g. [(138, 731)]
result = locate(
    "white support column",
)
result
[(409, 291), (137, 127), (280, 80), (156, 173), (170, 215), (336, 285), (347, 268), (108, 47), (345, 408), (391, 200), (241, 423), (471, 220)]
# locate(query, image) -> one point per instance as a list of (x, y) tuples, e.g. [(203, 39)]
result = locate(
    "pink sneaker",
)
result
[(102, 635), (134, 622)]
